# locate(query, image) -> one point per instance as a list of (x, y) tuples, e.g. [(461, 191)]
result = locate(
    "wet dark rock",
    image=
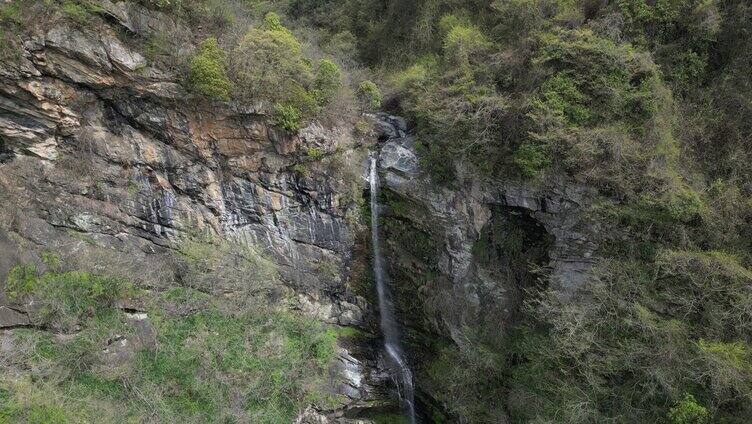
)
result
[(445, 247)]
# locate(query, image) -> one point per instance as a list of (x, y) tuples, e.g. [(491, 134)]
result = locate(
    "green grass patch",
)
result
[(216, 360)]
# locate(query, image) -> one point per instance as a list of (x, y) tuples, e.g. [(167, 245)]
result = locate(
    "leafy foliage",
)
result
[(327, 83), (207, 74), (369, 95), (688, 411), (268, 63), (287, 117), (237, 355)]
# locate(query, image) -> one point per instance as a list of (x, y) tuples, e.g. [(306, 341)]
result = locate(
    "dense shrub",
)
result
[(287, 117), (369, 95), (268, 64), (531, 159), (327, 83), (207, 73), (688, 411), (643, 328)]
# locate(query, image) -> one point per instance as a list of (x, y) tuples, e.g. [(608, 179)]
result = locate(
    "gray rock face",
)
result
[(467, 290), (100, 151), (10, 317)]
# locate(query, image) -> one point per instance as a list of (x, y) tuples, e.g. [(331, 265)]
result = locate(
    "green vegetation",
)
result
[(369, 94), (10, 12), (287, 117), (387, 418), (315, 153), (232, 356), (688, 411), (648, 104), (207, 73), (327, 83), (63, 299), (268, 63), (75, 11), (10, 24), (645, 103)]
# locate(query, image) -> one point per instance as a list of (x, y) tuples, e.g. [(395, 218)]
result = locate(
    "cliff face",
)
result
[(98, 145), (99, 150), (459, 225), (462, 257)]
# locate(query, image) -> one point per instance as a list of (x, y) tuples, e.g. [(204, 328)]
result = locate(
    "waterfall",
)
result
[(389, 326)]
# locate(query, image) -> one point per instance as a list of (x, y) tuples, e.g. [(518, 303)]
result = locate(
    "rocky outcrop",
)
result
[(461, 257), (108, 149), (453, 220), (101, 150)]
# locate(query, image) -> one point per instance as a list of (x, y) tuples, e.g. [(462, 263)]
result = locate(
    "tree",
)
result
[(207, 74), (327, 83), (268, 63)]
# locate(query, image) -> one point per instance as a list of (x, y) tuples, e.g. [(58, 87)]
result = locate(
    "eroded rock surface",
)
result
[(103, 150), (98, 149), (453, 219), (460, 257)]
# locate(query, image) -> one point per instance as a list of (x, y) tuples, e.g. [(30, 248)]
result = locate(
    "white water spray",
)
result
[(386, 308)]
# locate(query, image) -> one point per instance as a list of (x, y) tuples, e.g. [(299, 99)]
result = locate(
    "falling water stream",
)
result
[(386, 308)]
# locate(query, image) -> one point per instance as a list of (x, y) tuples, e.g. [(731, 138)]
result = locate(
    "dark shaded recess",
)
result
[(513, 247), (6, 154)]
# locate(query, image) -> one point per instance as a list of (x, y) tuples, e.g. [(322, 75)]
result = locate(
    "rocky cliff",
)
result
[(101, 150), (463, 257)]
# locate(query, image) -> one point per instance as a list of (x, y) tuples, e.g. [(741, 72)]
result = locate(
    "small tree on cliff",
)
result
[(207, 74), (268, 64)]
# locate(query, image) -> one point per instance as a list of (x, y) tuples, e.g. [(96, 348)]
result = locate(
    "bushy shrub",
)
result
[(416, 75), (436, 161), (369, 95), (531, 159), (315, 153), (645, 325), (268, 63), (287, 117), (327, 83), (463, 42), (272, 22), (683, 204), (688, 411), (207, 74), (560, 95)]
